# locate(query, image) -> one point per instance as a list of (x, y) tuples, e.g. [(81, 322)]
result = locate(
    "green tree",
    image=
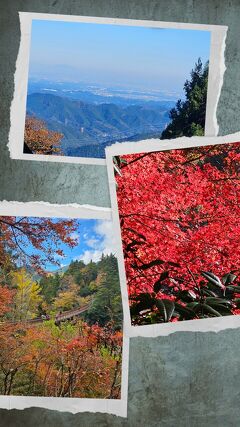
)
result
[(188, 116), (50, 286), (107, 304), (75, 267)]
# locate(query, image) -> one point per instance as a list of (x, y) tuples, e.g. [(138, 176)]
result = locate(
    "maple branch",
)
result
[(136, 160), (15, 238), (10, 224), (194, 280), (150, 217)]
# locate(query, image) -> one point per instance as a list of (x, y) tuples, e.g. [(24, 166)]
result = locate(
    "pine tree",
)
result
[(107, 303), (188, 116)]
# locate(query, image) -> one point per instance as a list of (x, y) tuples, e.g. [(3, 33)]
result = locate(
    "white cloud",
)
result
[(102, 243), (58, 256), (88, 256), (104, 229), (75, 236), (92, 243)]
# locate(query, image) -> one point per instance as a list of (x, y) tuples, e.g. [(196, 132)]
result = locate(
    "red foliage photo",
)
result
[(180, 230)]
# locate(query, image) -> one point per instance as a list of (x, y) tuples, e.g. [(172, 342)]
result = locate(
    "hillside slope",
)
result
[(88, 128)]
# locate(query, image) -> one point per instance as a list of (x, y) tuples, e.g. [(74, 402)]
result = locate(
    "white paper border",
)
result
[(18, 106), (67, 404), (202, 325)]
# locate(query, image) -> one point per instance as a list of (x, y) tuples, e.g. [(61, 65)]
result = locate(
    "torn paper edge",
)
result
[(216, 72), (72, 210), (202, 325), (18, 105), (66, 404)]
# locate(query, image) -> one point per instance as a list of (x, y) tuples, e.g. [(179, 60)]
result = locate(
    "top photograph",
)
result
[(88, 84)]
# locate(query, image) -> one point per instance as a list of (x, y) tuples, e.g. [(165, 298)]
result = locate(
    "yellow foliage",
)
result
[(27, 297), (68, 299)]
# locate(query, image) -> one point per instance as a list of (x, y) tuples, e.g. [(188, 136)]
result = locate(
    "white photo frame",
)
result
[(213, 324), (18, 107), (67, 404)]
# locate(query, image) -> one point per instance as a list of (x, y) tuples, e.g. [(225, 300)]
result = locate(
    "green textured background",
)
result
[(185, 379)]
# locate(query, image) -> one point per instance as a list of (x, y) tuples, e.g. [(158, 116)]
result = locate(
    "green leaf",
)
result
[(234, 288), (193, 305), (143, 301), (207, 308), (228, 278), (221, 308), (213, 279), (209, 292), (185, 312), (116, 165), (166, 307), (186, 296), (158, 284), (192, 294), (124, 161), (213, 300)]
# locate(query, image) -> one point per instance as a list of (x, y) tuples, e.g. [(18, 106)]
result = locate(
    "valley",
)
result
[(91, 119)]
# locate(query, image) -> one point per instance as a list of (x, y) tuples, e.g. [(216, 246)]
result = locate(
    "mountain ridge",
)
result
[(95, 125)]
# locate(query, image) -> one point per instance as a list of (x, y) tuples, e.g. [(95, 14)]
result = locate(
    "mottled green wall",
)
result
[(185, 379)]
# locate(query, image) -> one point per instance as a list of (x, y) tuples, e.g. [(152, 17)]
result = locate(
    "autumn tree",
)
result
[(41, 356), (40, 140), (27, 296), (68, 299), (71, 361), (6, 297), (179, 216), (13, 356), (188, 116), (42, 235)]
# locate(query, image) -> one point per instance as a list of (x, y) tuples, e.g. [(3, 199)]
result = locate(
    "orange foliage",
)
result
[(44, 234), (39, 139), (59, 362), (5, 299)]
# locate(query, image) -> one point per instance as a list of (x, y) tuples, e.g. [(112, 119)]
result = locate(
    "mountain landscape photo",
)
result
[(121, 84)]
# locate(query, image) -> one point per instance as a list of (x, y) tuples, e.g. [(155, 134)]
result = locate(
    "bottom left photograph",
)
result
[(61, 318)]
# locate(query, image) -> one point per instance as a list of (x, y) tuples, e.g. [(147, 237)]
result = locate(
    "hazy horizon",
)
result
[(109, 55)]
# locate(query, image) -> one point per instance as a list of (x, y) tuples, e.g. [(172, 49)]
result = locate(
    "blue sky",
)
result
[(93, 237), (104, 54)]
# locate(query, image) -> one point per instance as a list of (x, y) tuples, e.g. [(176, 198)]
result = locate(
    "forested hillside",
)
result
[(80, 123), (96, 284), (87, 128), (60, 330)]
